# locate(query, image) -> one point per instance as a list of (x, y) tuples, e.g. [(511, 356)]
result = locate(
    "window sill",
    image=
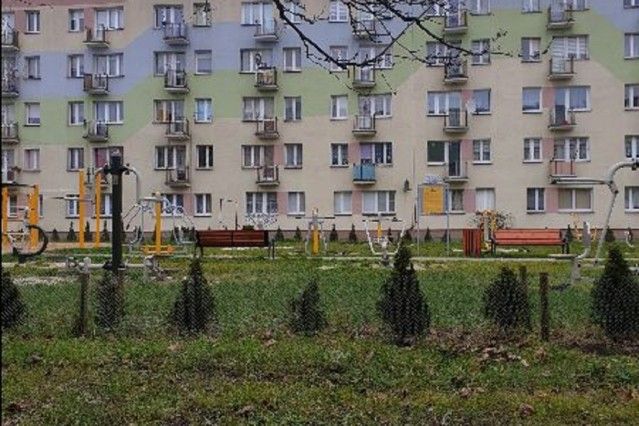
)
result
[(480, 64), (430, 114), (202, 122), (339, 119), (75, 125), (533, 161), (293, 121), (338, 166), (631, 58), (293, 167), (482, 163), (378, 214), (31, 170), (202, 73), (436, 164), (294, 71), (31, 32), (31, 125), (33, 78), (202, 215), (631, 211), (535, 211), (295, 214), (527, 12), (531, 61), (482, 113), (250, 167), (631, 108), (589, 211), (533, 112), (203, 168), (73, 170), (342, 214)]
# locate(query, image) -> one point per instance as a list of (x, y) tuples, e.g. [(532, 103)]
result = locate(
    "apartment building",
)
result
[(219, 106)]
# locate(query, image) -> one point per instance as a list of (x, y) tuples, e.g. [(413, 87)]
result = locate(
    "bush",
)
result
[(506, 302), (568, 235), (444, 236), (87, 231), (408, 237), (13, 308), (610, 236), (194, 308), (402, 305), (71, 237), (104, 235), (307, 316), (615, 299), (352, 236), (55, 236), (110, 306), (333, 236), (428, 237), (279, 235), (298, 234)]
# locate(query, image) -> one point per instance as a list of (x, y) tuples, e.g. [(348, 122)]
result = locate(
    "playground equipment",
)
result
[(575, 260), (30, 240), (628, 238), (381, 240), (260, 220), (315, 235)]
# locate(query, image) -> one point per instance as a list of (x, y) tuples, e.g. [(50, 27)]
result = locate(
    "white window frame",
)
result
[(114, 18), (338, 12), (76, 113), (340, 54), (339, 153), (72, 207), (379, 150), (384, 203), (203, 110), (530, 6), (107, 119), (206, 204), (106, 205), (453, 204), (170, 156), (438, 54), (33, 113), (170, 110), (31, 160), (258, 108), (442, 102), (631, 199), (175, 200), (575, 46), (483, 46), (110, 64), (532, 145), (484, 192), (32, 67), (343, 203), (478, 7), (339, 107), (379, 105), (256, 155), (384, 61), (631, 145), (532, 49), (539, 97), (630, 95), (167, 14), (490, 106), (165, 61), (75, 159), (447, 145), (631, 45), (539, 203), (630, 3), (256, 13), (248, 59), (294, 105), (76, 20), (482, 144), (296, 204), (571, 145), (292, 59), (75, 63), (293, 10), (293, 155), (205, 153), (203, 56), (33, 23), (267, 201), (568, 95), (573, 205)]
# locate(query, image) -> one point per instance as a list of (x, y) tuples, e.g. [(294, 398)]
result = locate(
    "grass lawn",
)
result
[(254, 370)]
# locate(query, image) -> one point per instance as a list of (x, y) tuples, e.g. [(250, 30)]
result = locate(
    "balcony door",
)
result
[(8, 114), (454, 158), (8, 22)]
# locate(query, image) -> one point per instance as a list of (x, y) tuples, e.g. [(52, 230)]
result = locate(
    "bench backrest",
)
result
[(528, 234), (223, 238)]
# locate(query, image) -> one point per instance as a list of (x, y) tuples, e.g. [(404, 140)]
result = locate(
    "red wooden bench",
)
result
[(529, 237), (223, 238)]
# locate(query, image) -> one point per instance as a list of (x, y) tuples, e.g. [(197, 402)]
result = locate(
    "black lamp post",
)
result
[(116, 169)]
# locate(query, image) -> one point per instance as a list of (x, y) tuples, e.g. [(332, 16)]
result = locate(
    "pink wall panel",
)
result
[(353, 153), (278, 154), (548, 97), (467, 150), (357, 202), (469, 200), (547, 148), (552, 200), (282, 202)]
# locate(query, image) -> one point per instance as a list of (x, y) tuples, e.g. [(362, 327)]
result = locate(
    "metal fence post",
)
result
[(543, 305), (83, 318)]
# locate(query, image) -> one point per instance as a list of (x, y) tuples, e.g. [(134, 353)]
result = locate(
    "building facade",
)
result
[(220, 107)]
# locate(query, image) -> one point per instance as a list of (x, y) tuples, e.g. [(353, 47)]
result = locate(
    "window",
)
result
[(338, 12), (577, 149), (296, 203), (168, 15), (202, 12), (531, 99), (632, 198), (203, 110), (631, 3), (570, 47), (632, 146), (481, 151), (109, 112), (73, 206), (439, 103), (75, 159), (631, 98), (33, 113), (32, 159), (339, 154), (577, 98), (293, 155), (481, 52), (292, 108), (203, 62), (168, 111), (292, 59), (170, 156), (532, 150), (257, 155), (110, 65), (76, 20), (294, 11), (256, 13), (479, 7), (481, 101), (33, 21), (252, 59), (577, 4), (342, 203), (376, 153), (444, 152), (32, 67), (436, 152), (106, 206), (175, 201), (378, 202), (484, 199), (631, 45), (257, 109), (530, 49), (165, 61), (261, 202), (339, 107), (575, 199), (382, 53), (340, 54), (439, 53), (455, 199), (377, 105), (535, 200), (76, 113), (75, 66), (12, 207), (110, 19), (203, 205), (529, 6), (204, 155), (435, 8)]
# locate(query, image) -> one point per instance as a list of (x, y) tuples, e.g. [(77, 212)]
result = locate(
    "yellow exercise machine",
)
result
[(32, 214), (157, 249), (315, 237)]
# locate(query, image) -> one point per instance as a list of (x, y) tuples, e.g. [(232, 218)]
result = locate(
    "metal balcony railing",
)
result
[(175, 33), (10, 39), (560, 16), (9, 175), (178, 176), (266, 30), (456, 22), (456, 120), (10, 132), (561, 118), (10, 86), (268, 175), (365, 28), (96, 37), (178, 129), (561, 67), (266, 128), (456, 171), (96, 84), (364, 124), (456, 71), (364, 173), (97, 131), (561, 168), (266, 78), (364, 77), (175, 80)]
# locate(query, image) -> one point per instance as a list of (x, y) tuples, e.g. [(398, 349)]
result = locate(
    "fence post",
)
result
[(83, 318), (545, 314), (523, 275)]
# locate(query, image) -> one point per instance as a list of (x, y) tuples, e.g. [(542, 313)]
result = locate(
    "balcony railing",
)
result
[(364, 77), (10, 133), (561, 168), (178, 130), (97, 131), (562, 119), (9, 175), (456, 171), (561, 68), (10, 87), (266, 79), (456, 22), (456, 121), (456, 71), (10, 40), (178, 177), (560, 17), (365, 28), (268, 176), (176, 34), (266, 128), (364, 173), (266, 31), (96, 84), (96, 38), (175, 81), (364, 125)]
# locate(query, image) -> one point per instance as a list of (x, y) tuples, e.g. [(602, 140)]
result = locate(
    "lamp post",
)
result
[(116, 169)]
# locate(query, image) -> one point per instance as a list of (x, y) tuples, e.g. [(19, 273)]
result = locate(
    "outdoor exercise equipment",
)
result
[(381, 239), (260, 220), (575, 260), (628, 237), (30, 240), (315, 235)]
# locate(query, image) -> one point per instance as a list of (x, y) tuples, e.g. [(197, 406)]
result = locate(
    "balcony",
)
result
[(561, 68), (178, 130), (175, 82), (175, 34), (96, 84), (456, 22), (456, 72), (178, 177), (364, 174), (10, 175), (364, 125), (363, 77), (10, 88), (456, 121), (267, 129), (96, 39), (561, 120), (97, 131), (266, 31), (10, 41), (561, 169), (559, 18), (10, 133), (456, 172), (266, 79), (268, 176), (365, 29)]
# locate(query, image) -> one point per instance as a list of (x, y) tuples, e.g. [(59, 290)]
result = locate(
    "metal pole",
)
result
[(447, 220), (97, 184), (158, 227), (34, 214), (81, 208), (543, 305), (5, 216), (83, 319), (116, 169)]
